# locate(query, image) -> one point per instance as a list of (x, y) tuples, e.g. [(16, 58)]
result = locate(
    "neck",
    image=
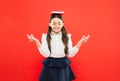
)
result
[(52, 32)]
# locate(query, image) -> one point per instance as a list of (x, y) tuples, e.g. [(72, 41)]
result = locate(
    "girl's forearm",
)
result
[(38, 44), (79, 44), (83, 39)]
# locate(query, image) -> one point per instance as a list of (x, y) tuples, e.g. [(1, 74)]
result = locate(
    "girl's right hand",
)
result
[(32, 38)]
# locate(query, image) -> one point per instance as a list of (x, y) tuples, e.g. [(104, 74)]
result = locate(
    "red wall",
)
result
[(97, 60)]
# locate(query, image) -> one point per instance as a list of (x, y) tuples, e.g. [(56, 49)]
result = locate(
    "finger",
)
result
[(88, 36), (32, 35), (28, 36), (83, 37)]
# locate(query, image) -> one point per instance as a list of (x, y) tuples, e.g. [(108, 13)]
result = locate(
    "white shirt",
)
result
[(57, 46)]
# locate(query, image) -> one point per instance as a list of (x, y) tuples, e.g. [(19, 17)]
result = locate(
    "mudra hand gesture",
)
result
[(82, 40), (31, 37), (85, 38)]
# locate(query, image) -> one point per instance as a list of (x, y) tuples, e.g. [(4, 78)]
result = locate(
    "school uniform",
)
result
[(57, 65)]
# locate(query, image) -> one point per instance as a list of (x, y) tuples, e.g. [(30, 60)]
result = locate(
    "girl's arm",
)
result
[(73, 50), (43, 48), (33, 39), (83, 39)]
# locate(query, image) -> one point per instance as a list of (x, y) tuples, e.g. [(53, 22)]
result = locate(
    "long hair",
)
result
[(64, 34)]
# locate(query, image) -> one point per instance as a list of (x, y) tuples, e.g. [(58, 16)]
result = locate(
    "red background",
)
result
[(97, 60)]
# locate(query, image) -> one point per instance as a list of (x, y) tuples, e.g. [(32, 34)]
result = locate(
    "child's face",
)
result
[(56, 24)]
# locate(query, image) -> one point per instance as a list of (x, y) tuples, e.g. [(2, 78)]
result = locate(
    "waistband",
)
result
[(56, 62), (56, 57)]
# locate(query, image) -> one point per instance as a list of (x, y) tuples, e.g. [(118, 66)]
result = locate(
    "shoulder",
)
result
[(69, 34), (44, 36)]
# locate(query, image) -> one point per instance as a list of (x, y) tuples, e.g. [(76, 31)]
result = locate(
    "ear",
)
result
[(62, 24), (50, 24)]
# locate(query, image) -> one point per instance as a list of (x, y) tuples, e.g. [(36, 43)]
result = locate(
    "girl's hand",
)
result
[(82, 40), (85, 38), (31, 37), (35, 40)]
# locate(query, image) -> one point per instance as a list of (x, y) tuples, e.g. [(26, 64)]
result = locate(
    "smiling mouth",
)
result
[(56, 28)]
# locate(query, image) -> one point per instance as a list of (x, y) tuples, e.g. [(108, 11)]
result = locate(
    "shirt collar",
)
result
[(53, 33)]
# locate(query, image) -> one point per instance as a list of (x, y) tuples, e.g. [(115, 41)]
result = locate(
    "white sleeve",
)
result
[(72, 51), (44, 47)]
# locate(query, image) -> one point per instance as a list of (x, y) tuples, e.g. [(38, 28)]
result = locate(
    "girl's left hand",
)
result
[(85, 38), (82, 40)]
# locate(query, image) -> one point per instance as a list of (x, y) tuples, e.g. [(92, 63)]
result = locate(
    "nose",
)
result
[(56, 25)]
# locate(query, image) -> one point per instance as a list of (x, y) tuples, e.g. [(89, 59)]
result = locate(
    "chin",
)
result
[(57, 31)]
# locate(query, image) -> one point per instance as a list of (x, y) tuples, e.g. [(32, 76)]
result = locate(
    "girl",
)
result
[(56, 46)]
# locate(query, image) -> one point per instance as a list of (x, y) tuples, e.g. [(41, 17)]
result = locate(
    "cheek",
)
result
[(52, 26), (61, 25)]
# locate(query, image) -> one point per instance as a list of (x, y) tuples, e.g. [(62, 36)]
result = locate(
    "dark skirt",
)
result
[(56, 69)]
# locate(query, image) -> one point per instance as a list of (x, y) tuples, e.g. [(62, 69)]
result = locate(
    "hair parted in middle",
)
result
[(64, 34)]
